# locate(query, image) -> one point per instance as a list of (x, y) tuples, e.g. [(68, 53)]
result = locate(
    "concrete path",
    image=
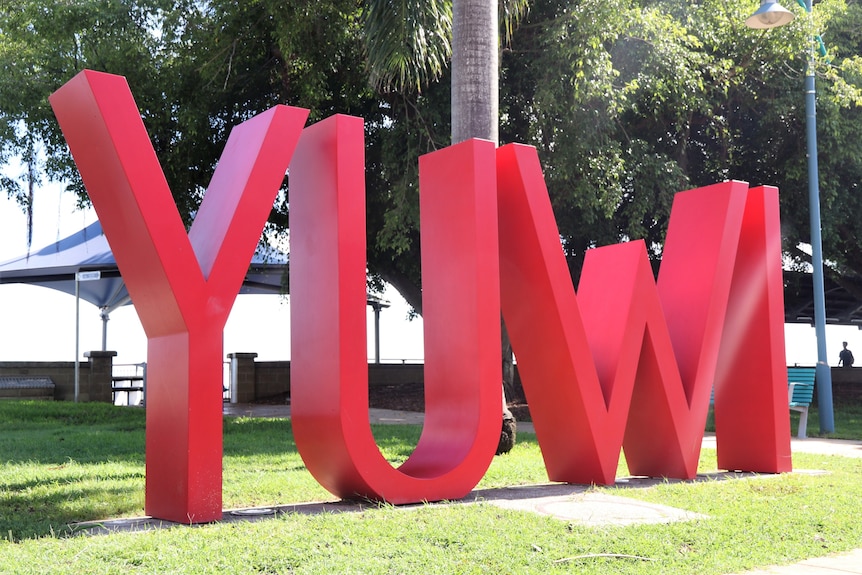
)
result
[(843, 564), (809, 445)]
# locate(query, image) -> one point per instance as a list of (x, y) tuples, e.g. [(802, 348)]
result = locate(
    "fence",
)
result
[(129, 383)]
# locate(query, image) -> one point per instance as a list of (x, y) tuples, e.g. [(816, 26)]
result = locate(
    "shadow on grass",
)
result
[(514, 493), (74, 463), (44, 508), (65, 463)]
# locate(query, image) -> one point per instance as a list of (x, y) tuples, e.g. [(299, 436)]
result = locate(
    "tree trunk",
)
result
[(475, 114), (475, 70)]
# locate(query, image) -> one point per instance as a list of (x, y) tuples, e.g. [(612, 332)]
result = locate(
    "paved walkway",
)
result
[(843, 564), (576, 503), (810, 445)]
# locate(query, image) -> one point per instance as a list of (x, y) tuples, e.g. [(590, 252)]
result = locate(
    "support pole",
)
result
[(77, 337), (377, 333), (823, 374), (105, 315)]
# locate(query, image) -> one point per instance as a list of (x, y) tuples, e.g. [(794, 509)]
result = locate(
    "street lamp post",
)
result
[(771, 15)]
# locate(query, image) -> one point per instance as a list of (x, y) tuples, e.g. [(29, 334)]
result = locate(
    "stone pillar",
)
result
[(99, 383), (242, 377)]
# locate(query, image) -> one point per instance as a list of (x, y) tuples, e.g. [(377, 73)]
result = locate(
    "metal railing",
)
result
[(129, 383), (226, 382)]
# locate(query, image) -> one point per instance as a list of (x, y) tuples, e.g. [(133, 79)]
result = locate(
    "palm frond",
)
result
[(408, 42), (511, 14)]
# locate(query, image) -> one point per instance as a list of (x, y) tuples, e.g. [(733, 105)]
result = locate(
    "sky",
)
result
[(38, 324)]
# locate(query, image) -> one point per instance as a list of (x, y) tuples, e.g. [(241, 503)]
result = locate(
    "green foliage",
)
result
[(602, 99), (627, 102), (43, 44), (631, 101), (408, 43), (195, 68)]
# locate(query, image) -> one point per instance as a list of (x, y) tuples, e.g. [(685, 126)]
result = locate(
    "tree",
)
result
[(475, 35), (475, 70), (42, 44), (197, 68), (629, 101), (626, 101)]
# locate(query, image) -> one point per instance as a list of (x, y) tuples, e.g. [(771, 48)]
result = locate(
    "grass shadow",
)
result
[(67, 463)]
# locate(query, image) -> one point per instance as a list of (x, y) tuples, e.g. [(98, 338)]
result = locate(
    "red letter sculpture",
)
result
[(631, 363), (754, 434), (460, 297), (183, 286), (627, 363)]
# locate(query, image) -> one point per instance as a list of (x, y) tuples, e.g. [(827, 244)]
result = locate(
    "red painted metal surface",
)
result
[(628, 361), (183, 286), (329, 373), (751, 419)]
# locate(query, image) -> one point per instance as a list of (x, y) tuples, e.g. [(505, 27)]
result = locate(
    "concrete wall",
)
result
[(62, 373), (254, 380), (250, 380), (94, 375), (264, 379), (395, 373), (847, 385), (271, 378)]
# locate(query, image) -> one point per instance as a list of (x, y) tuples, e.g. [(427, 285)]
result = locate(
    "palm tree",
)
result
[(475, 70), (408, 45)]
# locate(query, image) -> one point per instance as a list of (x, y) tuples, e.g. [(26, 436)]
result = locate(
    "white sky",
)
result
[(38, 324)]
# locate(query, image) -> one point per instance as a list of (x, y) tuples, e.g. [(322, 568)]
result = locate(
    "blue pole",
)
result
[(822, 371)]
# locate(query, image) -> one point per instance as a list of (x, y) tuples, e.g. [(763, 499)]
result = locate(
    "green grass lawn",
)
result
[(62, 462), (848, 422)]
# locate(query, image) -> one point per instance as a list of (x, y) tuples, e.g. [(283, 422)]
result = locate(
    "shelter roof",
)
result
[(843, 298), (56, 265)]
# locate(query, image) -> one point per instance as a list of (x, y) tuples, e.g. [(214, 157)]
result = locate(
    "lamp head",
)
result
[(771, 14)]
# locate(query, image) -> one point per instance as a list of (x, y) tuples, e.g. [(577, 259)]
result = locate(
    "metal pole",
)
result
[(234, 378), (77, 337), (105, 317), (376, 309), (823, 372)]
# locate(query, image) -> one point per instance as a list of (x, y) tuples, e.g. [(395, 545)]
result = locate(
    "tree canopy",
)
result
[(631, 101), (627, 102)]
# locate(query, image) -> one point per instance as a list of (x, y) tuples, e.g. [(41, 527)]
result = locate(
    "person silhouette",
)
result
[(845, 358)]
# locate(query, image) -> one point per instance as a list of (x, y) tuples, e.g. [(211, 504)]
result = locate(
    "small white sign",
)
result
[(88, 276)]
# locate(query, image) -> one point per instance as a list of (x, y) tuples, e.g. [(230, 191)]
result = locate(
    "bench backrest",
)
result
[(803, 388), (26, 382)]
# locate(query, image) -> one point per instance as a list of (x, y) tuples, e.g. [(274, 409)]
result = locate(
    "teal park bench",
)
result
[(800, 393)]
